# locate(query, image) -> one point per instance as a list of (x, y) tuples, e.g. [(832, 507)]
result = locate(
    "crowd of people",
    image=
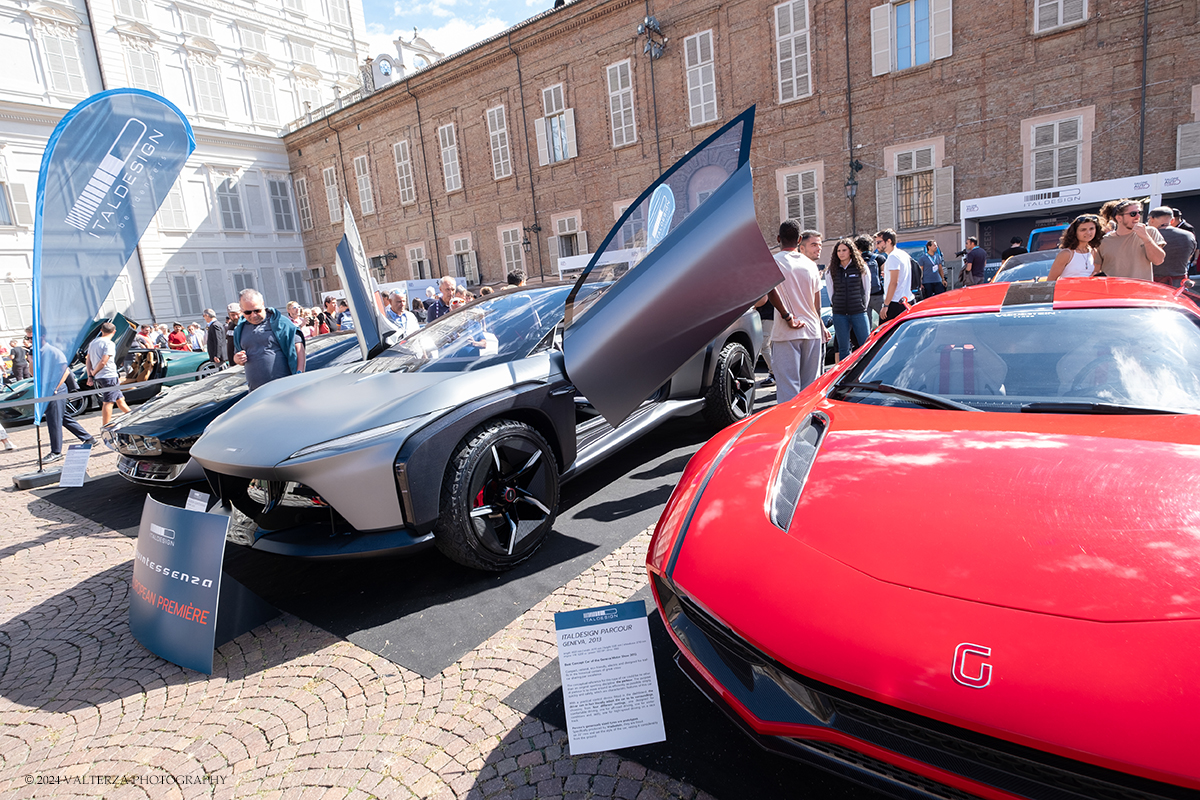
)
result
[(871, 278)]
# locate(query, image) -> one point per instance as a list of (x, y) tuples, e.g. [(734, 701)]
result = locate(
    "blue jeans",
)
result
[(842, 325)]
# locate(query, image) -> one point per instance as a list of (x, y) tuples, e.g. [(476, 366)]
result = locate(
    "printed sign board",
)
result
[(610, 688), (659, 215)]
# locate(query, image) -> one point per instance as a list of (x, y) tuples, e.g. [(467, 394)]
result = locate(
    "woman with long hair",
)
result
[(849, 283), (1077, 258)]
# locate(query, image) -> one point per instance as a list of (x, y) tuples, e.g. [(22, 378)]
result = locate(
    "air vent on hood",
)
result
[(793, 472)]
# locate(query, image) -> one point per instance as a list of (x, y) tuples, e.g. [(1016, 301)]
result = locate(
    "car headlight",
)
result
[(357, 439), (181, 442)]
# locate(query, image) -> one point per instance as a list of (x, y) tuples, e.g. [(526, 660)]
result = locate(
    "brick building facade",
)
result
[(545, 133)]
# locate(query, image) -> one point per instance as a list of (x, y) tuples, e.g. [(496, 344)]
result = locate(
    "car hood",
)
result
[(289, 414), (1084, 517)]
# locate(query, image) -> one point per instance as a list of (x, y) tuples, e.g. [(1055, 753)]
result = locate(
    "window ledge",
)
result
[(928, 65), (1070, 26), (801, 98)]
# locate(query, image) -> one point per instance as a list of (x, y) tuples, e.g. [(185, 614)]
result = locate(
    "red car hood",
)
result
[(1079, 516)]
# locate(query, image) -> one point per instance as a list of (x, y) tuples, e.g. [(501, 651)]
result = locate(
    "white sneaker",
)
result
[(8, 445)]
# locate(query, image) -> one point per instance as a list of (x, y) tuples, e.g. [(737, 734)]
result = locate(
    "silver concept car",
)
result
[(460, 435)]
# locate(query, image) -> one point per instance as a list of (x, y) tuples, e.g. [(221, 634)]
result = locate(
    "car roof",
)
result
[(1065, 293)]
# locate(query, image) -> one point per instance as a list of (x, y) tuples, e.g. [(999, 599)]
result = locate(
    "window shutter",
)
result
[(472, 267), (904, 161), (539, 128), (552, 247), (1072, 11), (581, 237), (923, 158), (450, 265), (1187, 149), (943, 196), (885, 203), (881, 40), (941, 25), (1043, 169), (569, 117), (20, 200)]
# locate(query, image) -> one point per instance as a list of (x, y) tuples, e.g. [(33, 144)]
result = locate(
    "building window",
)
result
[(462, 262), (63, 64), (498, 132), (243, 281), (1056, 13), (510, 243), (418, 265), (620, 104), (404, 176), (302, 203), (910, 33), (362, 175), (1056, 149), (294, 5), (633, 229), (252, 39), (307, 92), (556, 130), (143, 70), (296, 285), (14, 205), (791, 50), (800, 196), (303, 53), (914, 188), (701, 78), (171, 214), (14, 302), (450, 157), (207, 78), (345, 64), (262, 98), (339, 13), (329, 174), (230, 204), (195, 24), (568, 241), (281, 206), (187, 295), (132, 8)]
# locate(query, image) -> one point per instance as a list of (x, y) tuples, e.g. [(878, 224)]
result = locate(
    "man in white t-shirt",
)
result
[(897, 276), (797, 336), (102, 372)]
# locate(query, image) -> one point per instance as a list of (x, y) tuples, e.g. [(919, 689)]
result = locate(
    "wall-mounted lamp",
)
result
[(656, 43)]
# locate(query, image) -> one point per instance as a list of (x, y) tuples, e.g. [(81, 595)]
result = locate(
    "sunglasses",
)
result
[(253, 311)]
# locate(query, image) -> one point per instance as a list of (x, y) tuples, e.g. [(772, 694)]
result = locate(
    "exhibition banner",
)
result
[(107, 168), (177, 583), (610, 687)]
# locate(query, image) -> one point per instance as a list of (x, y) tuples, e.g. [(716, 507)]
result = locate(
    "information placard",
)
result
[(197, 501), (610, 688), (75, 464), (176, 583)]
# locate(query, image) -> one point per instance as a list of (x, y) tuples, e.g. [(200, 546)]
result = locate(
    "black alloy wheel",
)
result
[(499, 497), (731, 396)]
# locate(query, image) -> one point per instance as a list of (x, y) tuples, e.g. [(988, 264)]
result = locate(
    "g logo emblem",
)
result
[(982, 670)]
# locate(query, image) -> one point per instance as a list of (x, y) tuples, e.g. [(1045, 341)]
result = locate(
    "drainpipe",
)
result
[(1145, 65), (437, 246), (528, 160), (850, 118), (654, 100)]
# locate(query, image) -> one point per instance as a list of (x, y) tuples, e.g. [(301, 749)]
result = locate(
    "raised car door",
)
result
[(683, 262), (353, 272)]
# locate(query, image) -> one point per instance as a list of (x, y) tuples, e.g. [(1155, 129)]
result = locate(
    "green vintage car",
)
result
[(137, 364)]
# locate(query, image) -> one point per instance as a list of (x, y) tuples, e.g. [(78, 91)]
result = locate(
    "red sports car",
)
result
[(966, 562)]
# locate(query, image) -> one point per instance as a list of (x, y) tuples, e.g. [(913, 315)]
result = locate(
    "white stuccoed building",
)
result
[(241, 72)]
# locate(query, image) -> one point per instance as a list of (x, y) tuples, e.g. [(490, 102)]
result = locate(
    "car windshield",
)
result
[(496, 330), (1027, 271), (1076, 360)]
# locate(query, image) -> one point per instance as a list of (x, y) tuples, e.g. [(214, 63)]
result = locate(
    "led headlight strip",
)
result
[(355, 439)]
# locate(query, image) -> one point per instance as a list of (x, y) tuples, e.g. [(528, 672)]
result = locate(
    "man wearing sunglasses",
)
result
[(1134, 248), (265, 342)]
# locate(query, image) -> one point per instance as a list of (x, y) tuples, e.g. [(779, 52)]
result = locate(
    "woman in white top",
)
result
[(1079, 241)]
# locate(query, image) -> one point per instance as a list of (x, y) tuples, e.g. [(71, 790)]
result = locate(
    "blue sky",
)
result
[(448, 25)]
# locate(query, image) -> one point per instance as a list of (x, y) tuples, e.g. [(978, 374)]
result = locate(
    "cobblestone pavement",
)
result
[(289, 711)]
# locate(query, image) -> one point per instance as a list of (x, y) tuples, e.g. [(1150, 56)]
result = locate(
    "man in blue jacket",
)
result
[(265, 342)]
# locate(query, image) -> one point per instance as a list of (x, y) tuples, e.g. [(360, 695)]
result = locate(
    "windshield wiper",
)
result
[(1091, 407), (925, 397)]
